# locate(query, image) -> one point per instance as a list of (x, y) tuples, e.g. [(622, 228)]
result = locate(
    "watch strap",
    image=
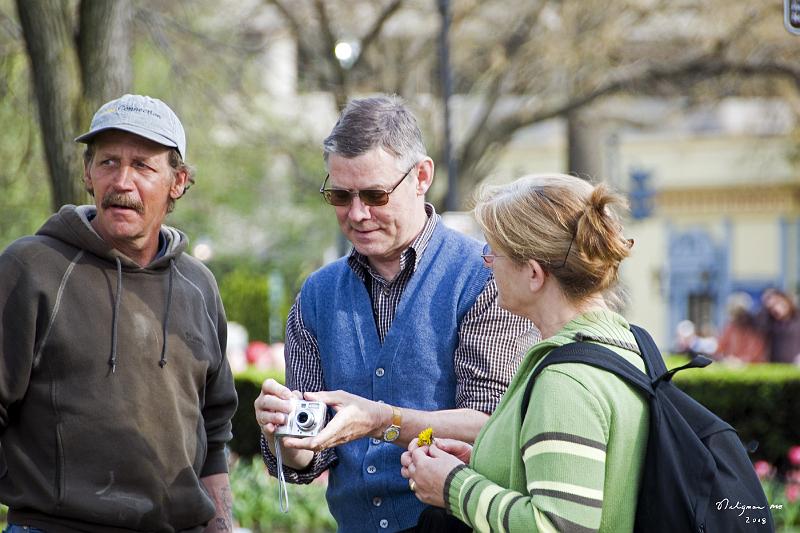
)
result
[(391, 433)]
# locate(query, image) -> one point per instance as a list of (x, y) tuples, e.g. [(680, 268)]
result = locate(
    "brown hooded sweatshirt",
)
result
[(115, 394)]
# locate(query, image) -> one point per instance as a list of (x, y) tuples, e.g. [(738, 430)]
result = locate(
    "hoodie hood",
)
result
[(72, 225)]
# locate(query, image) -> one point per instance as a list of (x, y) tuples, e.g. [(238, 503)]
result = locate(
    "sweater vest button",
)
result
[(376, 501), (376, 441), (371, 469), (384, 523), (380, 372)]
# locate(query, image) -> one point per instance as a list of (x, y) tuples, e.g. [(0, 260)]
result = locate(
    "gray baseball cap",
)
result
[(144, 116)]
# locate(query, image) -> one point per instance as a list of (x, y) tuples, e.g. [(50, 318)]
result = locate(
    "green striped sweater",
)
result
[(574, 463)]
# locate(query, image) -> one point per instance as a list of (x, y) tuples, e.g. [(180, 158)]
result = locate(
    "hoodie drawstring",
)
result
[(112, 361), (163, 360)]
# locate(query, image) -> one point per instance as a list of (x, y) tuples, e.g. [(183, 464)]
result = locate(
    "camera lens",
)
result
[(305, 419)]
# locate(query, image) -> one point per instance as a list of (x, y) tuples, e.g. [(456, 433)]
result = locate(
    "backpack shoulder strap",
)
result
[(650, 353), (594, 355), (656, 368)]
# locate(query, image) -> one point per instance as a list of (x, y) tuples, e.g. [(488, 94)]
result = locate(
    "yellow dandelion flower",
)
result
[(425, 437)]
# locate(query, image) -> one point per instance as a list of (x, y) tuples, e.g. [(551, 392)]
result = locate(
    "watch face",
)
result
[(391, 434)]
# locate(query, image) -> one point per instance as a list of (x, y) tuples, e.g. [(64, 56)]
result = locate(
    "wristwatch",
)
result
[(391, 433)]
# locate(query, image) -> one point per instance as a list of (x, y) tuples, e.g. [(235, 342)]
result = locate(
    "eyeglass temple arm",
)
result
[(322, 189)]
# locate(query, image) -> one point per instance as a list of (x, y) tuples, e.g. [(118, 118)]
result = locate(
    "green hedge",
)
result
[(245, 296), (257, 300), (762, 402), (246, 433)]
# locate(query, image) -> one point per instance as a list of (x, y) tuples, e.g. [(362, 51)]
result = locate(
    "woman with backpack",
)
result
[(570, 458)]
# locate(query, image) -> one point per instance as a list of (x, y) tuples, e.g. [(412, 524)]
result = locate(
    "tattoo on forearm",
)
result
[(224, 501)]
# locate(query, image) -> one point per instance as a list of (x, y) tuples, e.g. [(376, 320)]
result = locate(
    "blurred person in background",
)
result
[(688, 340), (406, 327), (116, 396), (741, 338), (685, 337), (574, 461), (779, 320)]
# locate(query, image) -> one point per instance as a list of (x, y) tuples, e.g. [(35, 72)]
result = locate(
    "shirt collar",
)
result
[(359, 263)]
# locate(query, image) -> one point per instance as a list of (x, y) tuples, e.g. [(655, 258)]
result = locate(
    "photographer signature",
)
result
[(725, 504)]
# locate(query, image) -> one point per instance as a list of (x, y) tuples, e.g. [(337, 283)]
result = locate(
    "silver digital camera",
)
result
[(306, 419)]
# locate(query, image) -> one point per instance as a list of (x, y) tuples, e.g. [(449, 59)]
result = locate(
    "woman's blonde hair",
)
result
[(565, 223)]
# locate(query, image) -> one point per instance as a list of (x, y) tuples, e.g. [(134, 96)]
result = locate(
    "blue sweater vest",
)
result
[(413, 367)]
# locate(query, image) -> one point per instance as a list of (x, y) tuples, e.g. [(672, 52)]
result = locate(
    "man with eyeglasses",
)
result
[(405, 330)]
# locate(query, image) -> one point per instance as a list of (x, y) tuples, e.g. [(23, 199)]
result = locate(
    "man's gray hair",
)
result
[(380, 121)]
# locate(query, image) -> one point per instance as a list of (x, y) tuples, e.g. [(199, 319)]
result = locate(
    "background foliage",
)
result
[(256, 505), (762, 402), (256, 298)]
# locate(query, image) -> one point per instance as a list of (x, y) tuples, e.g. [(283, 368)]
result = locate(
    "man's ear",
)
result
[(87, 180), (424, 176), (536, 275), (178, 184)]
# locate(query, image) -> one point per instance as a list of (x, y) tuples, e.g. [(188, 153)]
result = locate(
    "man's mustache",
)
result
[(122, 200)]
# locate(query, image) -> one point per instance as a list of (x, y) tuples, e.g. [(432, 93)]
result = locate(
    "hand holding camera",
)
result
[(284, 413), (272, 409), (299, 420)]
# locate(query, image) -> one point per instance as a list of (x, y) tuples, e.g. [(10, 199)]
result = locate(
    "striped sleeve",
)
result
[(564, 454)]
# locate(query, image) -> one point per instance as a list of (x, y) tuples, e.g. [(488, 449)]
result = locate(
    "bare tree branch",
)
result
[(340, 82), (493, 92), (706, 66), (294, 24), (552, 56), (295, 27), (10, 26), (377, 26), (335, 77)]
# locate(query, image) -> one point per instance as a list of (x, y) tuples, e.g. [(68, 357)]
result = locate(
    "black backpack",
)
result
[(696, 476)]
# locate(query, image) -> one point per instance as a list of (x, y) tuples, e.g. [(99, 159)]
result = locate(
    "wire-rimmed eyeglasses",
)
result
[(371, 197), (488, 256)]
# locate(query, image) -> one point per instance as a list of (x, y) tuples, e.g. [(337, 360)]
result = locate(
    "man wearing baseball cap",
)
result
[(115, 395)]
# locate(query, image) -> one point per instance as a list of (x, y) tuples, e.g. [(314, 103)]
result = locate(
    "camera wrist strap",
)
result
[(283, 493)]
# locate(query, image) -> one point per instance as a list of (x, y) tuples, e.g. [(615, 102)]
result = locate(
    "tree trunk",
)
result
[(46, 28), (104, 49), (583, 148), (73, 79)]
